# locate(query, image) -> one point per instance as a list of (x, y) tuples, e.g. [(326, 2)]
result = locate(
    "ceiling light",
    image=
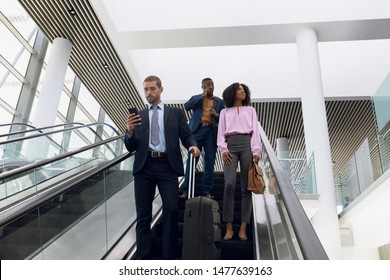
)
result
[(105, 65), (72, 11)]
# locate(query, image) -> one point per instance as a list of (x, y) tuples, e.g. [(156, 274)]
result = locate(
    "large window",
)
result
[(18, 32)]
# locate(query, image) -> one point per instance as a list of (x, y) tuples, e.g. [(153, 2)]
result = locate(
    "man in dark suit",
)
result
[(157, 162), (204, 127)]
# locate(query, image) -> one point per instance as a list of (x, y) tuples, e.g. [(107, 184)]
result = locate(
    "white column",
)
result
[(50, 95), (325, 221), (283, 154)]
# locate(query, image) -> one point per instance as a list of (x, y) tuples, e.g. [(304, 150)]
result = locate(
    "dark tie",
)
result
[(155, 127)]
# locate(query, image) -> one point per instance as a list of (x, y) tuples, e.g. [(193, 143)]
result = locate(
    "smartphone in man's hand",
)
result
[(133, 111)]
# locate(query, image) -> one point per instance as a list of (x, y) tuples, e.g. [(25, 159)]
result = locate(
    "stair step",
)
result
[(236, 249)]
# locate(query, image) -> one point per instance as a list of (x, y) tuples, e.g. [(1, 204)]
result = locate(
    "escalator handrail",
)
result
[(17, 139), (17, 123), (61, 131), (57, 131), (32, 166), (38, 129), (32, 203), (308, 240)]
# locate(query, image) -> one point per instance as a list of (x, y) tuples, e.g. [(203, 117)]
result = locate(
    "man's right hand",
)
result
[(194, 150), (132, 121), (207, 92)]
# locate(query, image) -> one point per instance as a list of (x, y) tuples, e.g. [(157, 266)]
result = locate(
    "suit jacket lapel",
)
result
[(146, 117), (166, 114)]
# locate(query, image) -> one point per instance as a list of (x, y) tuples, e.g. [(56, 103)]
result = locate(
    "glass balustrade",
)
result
[(362, 170), (301, 173), (285, 243), (92, 215), (27, 183)]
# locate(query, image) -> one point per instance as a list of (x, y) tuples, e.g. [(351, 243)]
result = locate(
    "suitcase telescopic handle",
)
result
[(191, 177)]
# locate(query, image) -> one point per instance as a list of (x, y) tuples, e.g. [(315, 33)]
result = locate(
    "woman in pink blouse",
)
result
[(239, 142)]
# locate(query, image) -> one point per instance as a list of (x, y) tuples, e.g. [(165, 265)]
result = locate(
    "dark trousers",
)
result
[(204, 138), (239, 146), (156, 171)]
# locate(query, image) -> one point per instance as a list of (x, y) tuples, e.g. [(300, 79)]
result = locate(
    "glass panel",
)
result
[(21, 237), (88, 102), (301, 173), (41, 80), (22, 61), (61, 218), (382, 104), (364, 167), (69, 79), (33, 36), (24, 130), (82, 223), (120, 200), (3, 74), (46, 146), (18, 153), (48, 52), (81, 117), (285, 242), (34, 105), (19, 18), (5, 117), (11, 49), (109, 121), (384, 151), (63, 106), (17, 187), (10, 87)]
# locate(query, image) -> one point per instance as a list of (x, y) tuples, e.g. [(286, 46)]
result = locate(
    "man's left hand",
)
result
[(214, 113)]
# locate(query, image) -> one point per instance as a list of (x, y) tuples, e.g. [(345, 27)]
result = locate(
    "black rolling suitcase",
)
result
[(202, 225)]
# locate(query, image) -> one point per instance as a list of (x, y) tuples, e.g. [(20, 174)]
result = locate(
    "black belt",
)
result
[(157, 154), (205, 124)]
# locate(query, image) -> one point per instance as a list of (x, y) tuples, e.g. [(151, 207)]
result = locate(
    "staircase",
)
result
[(233, 249)]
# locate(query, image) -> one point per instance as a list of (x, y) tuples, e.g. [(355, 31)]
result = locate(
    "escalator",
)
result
[(45, 199), (42, 231), (91, 214)]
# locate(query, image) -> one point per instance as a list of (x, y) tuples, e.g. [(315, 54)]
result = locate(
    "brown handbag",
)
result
[(256, 182)]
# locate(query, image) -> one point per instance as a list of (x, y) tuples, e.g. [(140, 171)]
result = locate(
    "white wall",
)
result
[(365, 224)]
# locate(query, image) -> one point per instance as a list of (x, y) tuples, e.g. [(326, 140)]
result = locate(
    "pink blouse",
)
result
[(239, 120)]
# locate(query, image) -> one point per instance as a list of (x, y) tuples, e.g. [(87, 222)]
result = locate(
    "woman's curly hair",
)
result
[(229, 95)]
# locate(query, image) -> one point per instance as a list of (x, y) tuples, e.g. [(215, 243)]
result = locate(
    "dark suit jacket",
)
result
[(176, 128), (195, 103)]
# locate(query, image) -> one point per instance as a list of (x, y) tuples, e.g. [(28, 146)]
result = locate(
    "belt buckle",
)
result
[(155, 154)]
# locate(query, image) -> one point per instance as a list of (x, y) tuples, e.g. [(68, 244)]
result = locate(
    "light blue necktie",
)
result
[(155, 127)]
